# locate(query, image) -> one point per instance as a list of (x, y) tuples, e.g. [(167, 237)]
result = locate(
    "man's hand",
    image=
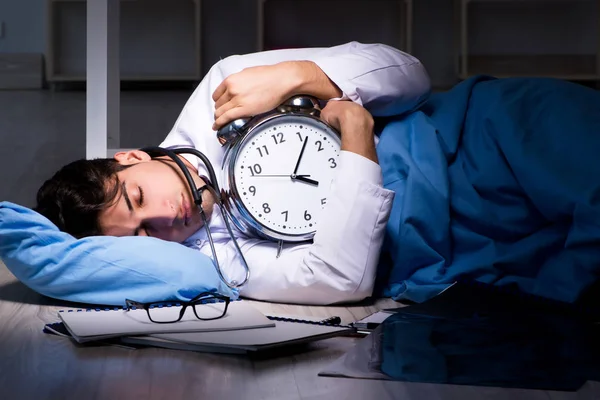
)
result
[(355, 124), (252, 91), (256, 90)]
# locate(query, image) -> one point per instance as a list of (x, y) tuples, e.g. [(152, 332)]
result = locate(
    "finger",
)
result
[(328, 109), (230, 115), (225, 97), (224, 108), (330, 117), (219, 91), (325, 115)]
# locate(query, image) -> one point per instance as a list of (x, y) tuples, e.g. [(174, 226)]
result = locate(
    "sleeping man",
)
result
[(134, 195), (495, 180)]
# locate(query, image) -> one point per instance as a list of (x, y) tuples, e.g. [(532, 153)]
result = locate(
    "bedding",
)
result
[(496, 180), (100, 269)]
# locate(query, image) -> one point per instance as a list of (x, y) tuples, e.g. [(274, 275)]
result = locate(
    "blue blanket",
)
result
[(497, 180)]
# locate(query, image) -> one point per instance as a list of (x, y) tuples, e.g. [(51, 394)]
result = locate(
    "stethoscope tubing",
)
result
[(213, 188)]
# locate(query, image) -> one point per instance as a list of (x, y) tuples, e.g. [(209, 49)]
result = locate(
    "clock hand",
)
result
[(302, 178), (300, 156)]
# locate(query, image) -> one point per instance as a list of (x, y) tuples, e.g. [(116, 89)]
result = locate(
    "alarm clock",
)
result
[(278, 170)]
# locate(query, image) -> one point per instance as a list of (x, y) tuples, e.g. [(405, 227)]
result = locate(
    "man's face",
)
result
[(154, 200)]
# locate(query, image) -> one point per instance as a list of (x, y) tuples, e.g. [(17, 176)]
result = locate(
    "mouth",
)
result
[(185, 211)]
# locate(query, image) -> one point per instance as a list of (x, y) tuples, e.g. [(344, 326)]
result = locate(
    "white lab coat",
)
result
[(340, 264)]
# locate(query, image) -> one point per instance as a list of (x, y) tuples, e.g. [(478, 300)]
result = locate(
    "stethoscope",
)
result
[(213, 188)]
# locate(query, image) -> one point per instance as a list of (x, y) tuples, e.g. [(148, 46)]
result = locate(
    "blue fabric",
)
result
[(100, 269), (497, 180)]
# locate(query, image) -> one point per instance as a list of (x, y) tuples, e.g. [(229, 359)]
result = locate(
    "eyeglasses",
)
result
[(206, 306)]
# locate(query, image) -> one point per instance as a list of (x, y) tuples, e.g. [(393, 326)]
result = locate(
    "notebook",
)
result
[(287, 331), (371, 322), (100, 324)]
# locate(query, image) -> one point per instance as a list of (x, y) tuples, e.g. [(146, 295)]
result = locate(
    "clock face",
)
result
[(284, 170)]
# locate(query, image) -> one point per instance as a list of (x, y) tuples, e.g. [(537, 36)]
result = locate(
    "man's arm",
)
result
[(382, 79), (255, 90)]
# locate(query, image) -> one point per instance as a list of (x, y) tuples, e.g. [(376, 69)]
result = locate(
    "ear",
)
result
[(132, 157)]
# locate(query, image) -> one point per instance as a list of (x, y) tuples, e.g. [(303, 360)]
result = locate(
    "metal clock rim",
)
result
[(240, 215)]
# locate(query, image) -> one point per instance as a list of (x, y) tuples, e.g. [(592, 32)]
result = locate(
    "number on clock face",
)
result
[(284, 171)]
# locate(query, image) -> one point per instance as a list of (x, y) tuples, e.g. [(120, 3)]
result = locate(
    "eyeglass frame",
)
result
[(132, 305)]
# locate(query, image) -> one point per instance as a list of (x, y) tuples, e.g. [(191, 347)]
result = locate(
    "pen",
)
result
[(332, 320), (366, 326)]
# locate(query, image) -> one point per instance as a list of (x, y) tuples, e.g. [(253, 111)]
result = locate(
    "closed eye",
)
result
[(140, 204)]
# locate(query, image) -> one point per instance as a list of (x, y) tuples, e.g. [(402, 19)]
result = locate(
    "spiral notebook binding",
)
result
[(331, 321)]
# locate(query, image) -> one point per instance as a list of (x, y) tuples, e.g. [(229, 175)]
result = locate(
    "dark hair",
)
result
[(74, 197)]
